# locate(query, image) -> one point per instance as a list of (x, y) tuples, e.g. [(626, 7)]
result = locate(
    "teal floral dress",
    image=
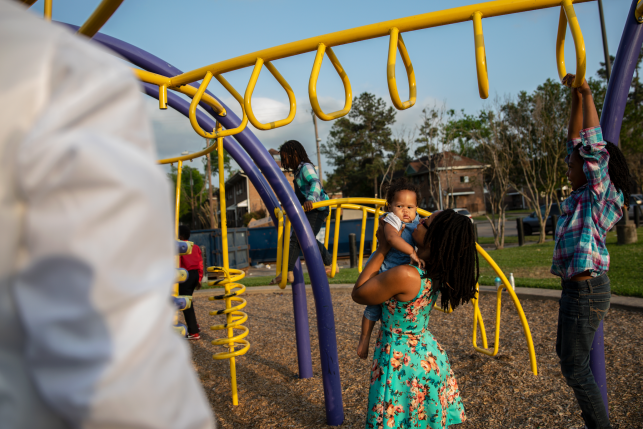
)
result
[(412, 384)]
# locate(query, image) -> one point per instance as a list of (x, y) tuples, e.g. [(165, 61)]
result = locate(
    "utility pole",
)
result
[(192, 198), (606, 51), (318, 140)]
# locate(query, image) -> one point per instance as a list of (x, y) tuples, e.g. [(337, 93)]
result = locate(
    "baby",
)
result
[(401, 200)]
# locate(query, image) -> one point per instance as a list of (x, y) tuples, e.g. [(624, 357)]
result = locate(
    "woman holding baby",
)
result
[(412, 384)]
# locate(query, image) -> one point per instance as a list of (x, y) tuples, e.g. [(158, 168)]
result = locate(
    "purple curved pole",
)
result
[(239, 155), (303, 231), (618, 90), (623, 68), (300, 308), (302, 332)]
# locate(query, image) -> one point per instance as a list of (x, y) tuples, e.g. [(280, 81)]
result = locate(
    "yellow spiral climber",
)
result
[(234, 316)]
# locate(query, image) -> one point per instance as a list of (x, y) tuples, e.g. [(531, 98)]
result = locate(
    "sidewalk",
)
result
[(622, 302)]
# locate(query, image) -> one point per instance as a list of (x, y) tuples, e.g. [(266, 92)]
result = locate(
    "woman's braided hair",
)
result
[(618, 170), (296, 154), (451, 258)]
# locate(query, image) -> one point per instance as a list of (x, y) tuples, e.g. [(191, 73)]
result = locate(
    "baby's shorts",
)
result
[(373, 312)]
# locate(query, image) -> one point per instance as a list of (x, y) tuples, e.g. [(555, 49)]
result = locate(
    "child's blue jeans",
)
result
[(583, 305), (373, 312)]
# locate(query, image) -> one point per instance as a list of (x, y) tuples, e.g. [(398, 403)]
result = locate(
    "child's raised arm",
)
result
[(393, 236), (590, 116), (576, 115)]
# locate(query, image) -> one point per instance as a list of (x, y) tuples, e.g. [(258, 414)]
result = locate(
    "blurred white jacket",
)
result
[(86, 248)]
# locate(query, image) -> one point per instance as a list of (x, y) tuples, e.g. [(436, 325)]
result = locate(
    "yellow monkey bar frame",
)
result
[(393, 28), (283, 247)]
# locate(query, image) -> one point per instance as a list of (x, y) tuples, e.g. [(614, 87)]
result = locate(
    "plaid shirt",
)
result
[(308, 183), (588, 213)]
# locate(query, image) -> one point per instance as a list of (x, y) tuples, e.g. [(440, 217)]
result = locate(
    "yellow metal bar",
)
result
[(338, 214), (638, 12), (195, 102), (362, 238), (353, 203), (189, 90), (177, 203), (481, 56), (567, 15), (327, 229), (376, 224), (229, 311), (284, 258), (396, 42), (101, 15), (230, 276), (521, 313), (222, 202), (312, 85), (381, 29), (247, 100), (280, 237), (48, 7)]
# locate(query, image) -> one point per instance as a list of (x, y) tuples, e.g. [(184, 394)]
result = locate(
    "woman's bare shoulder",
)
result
[(404, 272)]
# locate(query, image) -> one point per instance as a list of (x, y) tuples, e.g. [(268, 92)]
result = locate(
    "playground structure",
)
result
[(254, 159)]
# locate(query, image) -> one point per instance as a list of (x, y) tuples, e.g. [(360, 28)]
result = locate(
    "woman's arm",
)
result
[(375, 262), (401, 282)]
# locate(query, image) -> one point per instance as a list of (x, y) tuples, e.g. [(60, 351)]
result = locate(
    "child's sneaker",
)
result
[(193, 337)]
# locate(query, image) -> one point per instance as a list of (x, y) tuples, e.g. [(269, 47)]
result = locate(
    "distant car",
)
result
[(531, 225), (635, 199), (464, 212)]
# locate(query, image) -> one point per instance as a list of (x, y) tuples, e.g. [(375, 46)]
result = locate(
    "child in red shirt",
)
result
[(193, 263)]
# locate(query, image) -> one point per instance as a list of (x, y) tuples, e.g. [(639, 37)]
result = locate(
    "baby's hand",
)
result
[(418, 261)]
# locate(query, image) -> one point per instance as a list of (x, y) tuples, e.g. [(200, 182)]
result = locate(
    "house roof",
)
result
[(448, 161)]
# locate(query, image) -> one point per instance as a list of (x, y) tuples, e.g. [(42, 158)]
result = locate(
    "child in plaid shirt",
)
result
[(599, 177), (309, 190)]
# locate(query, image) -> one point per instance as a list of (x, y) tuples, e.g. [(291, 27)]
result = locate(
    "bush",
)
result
[(253, 215)]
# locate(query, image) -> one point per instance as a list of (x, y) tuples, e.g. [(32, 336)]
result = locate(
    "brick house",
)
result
[(449, 180), (242, 197)]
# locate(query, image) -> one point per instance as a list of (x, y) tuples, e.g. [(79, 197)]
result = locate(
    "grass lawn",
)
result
[(512, 239), (530, 266), (509, 214)]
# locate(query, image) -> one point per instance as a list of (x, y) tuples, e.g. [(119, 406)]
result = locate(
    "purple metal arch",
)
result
[(301, 227), (618, 90), (623, 68), (239, 155), (300, 308)]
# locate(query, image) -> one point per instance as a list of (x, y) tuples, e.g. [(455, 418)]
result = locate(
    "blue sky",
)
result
[(520, 54)]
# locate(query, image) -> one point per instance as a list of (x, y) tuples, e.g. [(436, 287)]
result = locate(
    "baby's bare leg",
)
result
[(365, 337)]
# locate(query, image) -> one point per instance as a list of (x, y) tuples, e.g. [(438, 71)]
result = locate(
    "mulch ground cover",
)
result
[(498, 392)]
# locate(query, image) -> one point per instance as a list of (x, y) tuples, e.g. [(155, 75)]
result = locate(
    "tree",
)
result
[(358, 146), (489, 133), (398, 158), (430, 148), (537, 129), (631, 130), (193, 193)]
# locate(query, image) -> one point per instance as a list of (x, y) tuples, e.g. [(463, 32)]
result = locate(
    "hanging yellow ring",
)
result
[(312, 85), (396, 42)]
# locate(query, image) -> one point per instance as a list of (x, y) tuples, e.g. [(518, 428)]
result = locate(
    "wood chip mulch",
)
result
[(498, 392)]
